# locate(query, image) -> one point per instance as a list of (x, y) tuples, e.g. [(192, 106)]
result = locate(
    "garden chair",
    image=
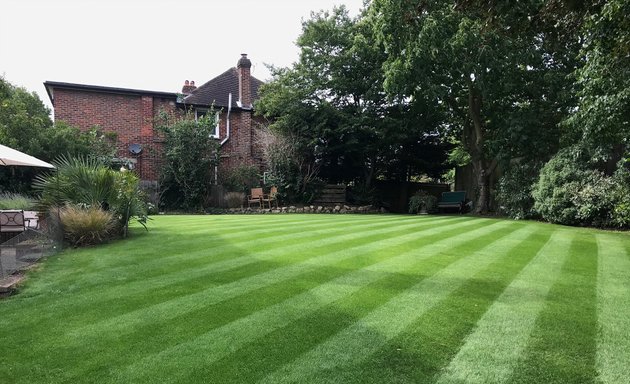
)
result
[(31, 219), (12, 221), (270, 198), (255, 196)]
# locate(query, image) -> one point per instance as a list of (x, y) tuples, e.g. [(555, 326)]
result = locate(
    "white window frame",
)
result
[(216, 118)]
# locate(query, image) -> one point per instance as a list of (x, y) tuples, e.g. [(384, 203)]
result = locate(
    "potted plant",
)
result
[(422, 203)]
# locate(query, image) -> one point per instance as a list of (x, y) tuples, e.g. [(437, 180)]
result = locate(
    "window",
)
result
[(201, 112)]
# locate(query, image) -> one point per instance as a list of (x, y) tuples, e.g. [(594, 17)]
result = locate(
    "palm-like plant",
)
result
[(88, 183), (82, 180)]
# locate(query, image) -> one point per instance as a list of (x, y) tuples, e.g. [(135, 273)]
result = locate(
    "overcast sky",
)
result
[(147, 44)]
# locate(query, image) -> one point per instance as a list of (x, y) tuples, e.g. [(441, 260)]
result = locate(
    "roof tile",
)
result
[(216, 90)]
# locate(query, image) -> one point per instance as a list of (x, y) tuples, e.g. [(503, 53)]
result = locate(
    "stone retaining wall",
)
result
[(307, 209)]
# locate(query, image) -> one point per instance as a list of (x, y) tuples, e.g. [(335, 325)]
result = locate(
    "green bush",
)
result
[(571, 191), (421, 200), (514, 190), (242, 179), (621, 210), (190, 156), (89, 183), (290, 166), (234, 199), (10, 200), (86, 226), (128, 201), (361, 194)]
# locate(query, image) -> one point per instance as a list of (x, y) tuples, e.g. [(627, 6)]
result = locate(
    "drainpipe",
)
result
[(227, 120), (227, 136)]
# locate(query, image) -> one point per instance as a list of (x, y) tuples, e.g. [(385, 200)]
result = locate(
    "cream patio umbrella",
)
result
[(10, 156)]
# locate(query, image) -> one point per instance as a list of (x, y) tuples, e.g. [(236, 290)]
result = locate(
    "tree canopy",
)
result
[(491, 67), (190, 154), (25, 125), (334, 102)]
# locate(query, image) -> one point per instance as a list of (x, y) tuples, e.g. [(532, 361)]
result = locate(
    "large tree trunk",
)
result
[(475, 142), (482, 173), (473, 138)]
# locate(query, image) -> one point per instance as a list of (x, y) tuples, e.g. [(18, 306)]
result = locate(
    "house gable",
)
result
[(132, 113), (216, 91)]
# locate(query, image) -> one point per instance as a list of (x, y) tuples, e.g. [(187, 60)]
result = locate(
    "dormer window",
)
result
[(201, 112)]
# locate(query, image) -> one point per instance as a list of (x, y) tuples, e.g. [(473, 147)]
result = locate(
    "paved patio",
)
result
[(19, 254)]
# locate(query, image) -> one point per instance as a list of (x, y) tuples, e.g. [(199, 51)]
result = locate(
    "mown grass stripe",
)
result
[(372, 332), (420, 352), (562, 347), (181, 249), (272, 243), (235, 237), (220, 342), (265, 355), (129, 281), (159, 334), (181, 305), (108, 314), (491, 352), (613, 304)]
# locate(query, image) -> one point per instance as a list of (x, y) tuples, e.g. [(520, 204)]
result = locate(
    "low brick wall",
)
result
[(307, 209)]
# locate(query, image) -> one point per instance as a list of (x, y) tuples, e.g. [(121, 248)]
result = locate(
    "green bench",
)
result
[(454, 200)]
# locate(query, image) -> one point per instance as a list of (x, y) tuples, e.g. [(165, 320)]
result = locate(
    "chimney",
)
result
[(188, 87), (244, 84)]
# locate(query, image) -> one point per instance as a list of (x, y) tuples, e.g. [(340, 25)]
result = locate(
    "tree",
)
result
[(190, 154), (490, 67), (601, 121), (22, 117), (26, 126), (289, 168), (333, 102)]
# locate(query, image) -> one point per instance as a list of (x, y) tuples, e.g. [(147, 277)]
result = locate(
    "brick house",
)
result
[(132, 115)]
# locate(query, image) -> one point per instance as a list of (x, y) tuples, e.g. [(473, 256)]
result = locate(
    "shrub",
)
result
[(621, 209), (514, 191), (89, 183), (361, 194), (571, 191), (79, 180), (593, 199), (242, 178), (15, 201), (86, 226), (235, 199), (190, 154), (290, 166), (129, 201), (421, 200), (558, 180)]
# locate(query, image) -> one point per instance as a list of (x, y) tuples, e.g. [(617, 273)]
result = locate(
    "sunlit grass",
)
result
[(326, 298)]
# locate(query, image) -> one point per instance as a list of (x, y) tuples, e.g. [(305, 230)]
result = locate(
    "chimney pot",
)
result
[(188, 87), (244, 62)]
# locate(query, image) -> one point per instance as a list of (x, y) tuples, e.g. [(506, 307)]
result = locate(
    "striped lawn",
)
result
[(327, 299)]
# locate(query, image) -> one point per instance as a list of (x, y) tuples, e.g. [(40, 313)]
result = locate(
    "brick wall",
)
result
[(240, 149), (132, 117)]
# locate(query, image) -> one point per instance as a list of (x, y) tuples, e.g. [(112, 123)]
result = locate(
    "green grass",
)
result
[(327, 299), (10, 200)]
